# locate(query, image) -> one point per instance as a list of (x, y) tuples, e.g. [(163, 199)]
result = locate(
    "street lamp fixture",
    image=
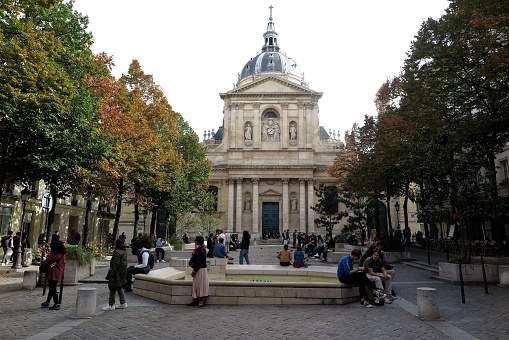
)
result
[(25, 196), (144, 212)]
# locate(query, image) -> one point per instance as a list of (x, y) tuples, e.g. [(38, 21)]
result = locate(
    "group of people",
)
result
[(372, 276), (220, 244), (11, 243)]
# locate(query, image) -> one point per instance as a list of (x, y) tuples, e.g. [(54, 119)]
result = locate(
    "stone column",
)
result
[(301, 132), (302, 205), (255, 206), (240, 200), (231, 199), (286, 203), (284, 126), (257, 127), (239, 141), (311, 202), (232, 142)]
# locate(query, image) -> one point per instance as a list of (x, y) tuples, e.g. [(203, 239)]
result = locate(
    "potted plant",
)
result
[(177, 242), (79, 264)]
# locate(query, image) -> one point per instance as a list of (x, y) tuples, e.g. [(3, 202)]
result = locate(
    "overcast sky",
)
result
[(195, 49)]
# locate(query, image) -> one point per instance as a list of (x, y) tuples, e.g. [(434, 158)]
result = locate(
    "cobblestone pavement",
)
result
[(483, 316)]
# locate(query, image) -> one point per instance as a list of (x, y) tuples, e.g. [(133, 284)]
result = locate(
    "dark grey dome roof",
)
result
[(270, 59)]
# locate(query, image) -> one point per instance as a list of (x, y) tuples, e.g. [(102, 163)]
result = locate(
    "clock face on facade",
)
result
[(270, 131)]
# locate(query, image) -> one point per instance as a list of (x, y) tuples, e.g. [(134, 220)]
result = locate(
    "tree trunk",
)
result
[(496, 224), (119, 208), (51, 215), (389, 218), (405, 203), (87, 217), (153, 220)]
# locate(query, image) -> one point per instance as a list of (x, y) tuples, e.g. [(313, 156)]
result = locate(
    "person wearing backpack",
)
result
[(143, 266)]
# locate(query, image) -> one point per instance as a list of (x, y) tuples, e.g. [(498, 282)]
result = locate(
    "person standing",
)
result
[(244, 247), (56, 263), (200, 275), (7, 247), (117, 276), (16, 244)]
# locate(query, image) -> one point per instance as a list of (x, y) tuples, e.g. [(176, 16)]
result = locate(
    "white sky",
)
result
[(196, 48)]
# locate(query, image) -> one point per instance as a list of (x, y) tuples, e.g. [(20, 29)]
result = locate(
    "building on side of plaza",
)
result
[(69, 217)]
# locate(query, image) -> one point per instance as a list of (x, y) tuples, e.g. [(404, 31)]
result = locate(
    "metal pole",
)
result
[(462, 284), (484, 274)]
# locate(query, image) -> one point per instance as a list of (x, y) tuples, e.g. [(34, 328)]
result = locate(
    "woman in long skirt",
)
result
[(200, 276)]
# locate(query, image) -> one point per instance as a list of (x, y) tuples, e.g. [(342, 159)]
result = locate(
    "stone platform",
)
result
[(260, 284)]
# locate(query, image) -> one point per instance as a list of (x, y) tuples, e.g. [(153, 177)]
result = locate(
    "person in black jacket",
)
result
[(244, 247), (200, 276)]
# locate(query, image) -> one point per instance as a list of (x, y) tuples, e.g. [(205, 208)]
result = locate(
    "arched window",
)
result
[(270, 114)]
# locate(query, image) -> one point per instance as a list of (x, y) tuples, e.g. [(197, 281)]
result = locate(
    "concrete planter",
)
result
[(395, 256), (472, 273), (503, 274), (73, 272)]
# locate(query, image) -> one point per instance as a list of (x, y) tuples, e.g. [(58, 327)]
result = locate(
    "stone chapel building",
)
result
[(271, 151)]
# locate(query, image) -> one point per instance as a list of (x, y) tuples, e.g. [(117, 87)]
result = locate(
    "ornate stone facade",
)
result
[(269, 154)]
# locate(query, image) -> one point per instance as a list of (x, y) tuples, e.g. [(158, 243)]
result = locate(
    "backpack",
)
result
[(151, 258)]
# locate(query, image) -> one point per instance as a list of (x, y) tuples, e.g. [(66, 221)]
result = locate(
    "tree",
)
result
[(327, 207)]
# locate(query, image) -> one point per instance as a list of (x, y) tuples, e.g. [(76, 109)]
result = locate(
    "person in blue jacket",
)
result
[(347, 274)]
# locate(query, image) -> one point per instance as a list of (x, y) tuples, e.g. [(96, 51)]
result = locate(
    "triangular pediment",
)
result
[(271, 84), (270, 192)]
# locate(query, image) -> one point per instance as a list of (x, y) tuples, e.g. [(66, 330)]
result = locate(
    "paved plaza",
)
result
[(483, 316)]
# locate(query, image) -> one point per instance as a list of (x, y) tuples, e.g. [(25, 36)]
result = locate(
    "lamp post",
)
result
[(144, 213), (25, 195), (396, 205)]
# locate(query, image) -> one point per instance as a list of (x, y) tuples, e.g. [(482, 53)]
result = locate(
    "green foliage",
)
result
[(460, 259), (327, 207), (392, 244), (143, 241), (176, 241), (82, 255)]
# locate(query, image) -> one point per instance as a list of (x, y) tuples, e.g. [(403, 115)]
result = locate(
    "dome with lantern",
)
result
[(271, 59)]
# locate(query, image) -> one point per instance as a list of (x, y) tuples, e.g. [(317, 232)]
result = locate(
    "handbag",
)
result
[(47, 267), (109, 276)]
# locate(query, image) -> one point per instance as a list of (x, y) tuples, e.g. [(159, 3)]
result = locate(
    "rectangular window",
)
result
[(5, 219), (505, 168)]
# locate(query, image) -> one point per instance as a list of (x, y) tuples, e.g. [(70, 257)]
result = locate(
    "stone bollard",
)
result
[(503, 275), (29, 279), (427, 304), (86, 302)]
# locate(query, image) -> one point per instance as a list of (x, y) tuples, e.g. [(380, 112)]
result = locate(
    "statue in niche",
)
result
[(293, 132), (247, 203), (248, 132), (293, 204)]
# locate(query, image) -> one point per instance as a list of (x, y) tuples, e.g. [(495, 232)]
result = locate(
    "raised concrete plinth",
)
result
[(29, 279), (427, 304), (86, 302), (503, 275), (472, 273), (253, 284)]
